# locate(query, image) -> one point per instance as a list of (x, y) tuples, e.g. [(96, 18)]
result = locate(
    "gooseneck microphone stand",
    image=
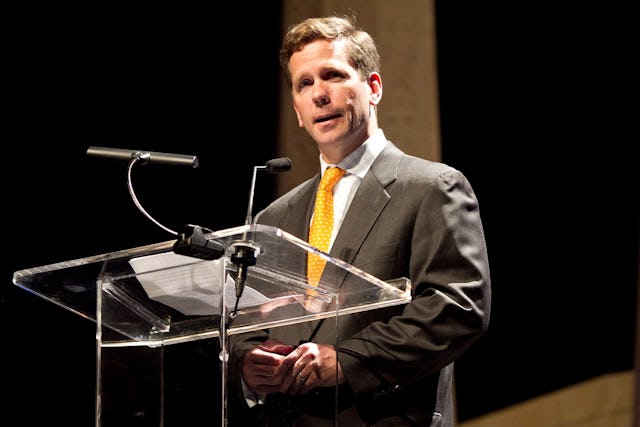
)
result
[(246, 251), (191, 240)]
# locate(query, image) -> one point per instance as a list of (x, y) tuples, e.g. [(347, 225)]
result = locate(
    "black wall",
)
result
[(174, 79), (534, 112)]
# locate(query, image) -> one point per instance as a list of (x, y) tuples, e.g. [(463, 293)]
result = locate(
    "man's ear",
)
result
[(375, 83)]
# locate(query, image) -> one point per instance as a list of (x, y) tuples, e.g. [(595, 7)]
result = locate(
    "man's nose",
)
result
[(320, 95)]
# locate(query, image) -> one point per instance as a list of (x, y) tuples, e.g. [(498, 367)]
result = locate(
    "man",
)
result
[(395, 216)]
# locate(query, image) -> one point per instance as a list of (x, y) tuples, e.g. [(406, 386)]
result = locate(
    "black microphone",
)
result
[(144, 156), (191, 242), (245, 254), (281, 164)]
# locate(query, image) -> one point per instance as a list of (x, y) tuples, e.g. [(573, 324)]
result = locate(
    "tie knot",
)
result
[(330, 177)]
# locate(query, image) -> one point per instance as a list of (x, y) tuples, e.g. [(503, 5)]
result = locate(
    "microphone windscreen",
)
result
[(281, 164)]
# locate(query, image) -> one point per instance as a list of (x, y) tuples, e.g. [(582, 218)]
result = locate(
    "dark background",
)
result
[(533, 107), (534, 104)]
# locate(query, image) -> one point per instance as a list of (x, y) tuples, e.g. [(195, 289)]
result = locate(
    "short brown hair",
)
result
[(360, 47)]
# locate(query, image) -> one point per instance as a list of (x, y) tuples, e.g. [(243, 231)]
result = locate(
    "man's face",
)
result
[(330, 98)]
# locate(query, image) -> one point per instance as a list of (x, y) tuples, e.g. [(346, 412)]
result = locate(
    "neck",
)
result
[(336, 153)]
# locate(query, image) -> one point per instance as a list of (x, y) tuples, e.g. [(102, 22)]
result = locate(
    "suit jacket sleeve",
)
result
[(430, 229)]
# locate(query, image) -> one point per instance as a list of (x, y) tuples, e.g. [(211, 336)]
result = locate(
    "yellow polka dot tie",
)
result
[(322, 223)]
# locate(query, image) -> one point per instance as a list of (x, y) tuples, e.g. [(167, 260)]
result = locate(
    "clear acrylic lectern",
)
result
[(151, 297)]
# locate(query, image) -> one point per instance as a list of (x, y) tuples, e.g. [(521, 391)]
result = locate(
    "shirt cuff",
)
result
[(251, 397)]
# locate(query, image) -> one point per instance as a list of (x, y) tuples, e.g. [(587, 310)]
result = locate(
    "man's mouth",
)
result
[(327, 118)]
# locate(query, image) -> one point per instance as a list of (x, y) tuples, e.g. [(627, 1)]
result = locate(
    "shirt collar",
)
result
[(360, 160)]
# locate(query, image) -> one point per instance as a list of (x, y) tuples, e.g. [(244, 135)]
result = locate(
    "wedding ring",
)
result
[(303, 379)]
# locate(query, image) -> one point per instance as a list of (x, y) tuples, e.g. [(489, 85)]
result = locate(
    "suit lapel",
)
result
[(365, 208), (367, 204), (299, 210)]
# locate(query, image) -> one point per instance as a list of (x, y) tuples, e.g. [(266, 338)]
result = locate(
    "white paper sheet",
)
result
[(192, 287)]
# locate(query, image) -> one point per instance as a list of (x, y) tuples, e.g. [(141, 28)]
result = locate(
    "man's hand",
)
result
[(260, 367), (308, 366)]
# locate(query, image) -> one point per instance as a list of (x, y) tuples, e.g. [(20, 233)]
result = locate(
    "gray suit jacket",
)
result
[(412, 218)]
